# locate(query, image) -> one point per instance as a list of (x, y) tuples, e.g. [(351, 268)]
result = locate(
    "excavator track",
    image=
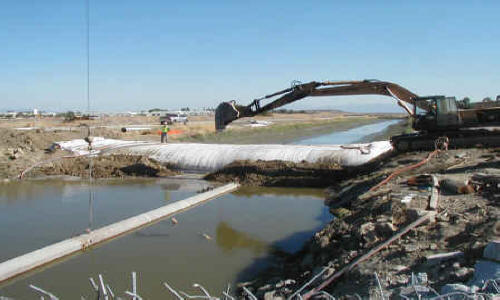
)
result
[(456, 139)]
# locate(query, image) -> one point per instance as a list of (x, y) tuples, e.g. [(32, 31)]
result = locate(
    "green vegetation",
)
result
[(69, 116), (290, 111)]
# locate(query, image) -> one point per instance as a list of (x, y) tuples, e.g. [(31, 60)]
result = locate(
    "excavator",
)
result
[(460, 123)]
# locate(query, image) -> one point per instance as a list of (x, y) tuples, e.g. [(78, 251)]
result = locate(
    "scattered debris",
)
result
[(445, 246), (454, 187), (206, 236), (435, 259)]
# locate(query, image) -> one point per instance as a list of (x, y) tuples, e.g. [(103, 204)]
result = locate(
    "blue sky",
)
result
[(172, 54)]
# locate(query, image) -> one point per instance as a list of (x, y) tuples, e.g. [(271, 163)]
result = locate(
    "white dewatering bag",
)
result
[(210, 157)]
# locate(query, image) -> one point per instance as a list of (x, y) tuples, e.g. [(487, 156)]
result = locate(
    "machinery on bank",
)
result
[(463, 123)]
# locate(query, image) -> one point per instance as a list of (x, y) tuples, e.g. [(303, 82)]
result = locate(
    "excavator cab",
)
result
[(440, 113)]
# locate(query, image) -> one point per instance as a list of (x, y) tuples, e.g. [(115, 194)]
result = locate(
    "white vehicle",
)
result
[(180, 118), (174, 118)]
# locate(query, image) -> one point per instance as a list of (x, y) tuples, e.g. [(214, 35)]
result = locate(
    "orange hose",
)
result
[(404, 169)]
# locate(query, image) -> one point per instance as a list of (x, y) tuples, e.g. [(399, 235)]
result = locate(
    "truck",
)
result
[(174, 118)]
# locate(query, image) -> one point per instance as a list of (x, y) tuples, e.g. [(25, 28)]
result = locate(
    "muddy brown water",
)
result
[(249, 229), (246, 229)]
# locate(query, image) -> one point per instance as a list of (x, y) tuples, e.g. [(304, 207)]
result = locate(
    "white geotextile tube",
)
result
[(210, 157)]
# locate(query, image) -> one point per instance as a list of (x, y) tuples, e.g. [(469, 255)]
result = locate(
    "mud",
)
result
[(279, 173), (464, 223), (115, 165), (289, 174)]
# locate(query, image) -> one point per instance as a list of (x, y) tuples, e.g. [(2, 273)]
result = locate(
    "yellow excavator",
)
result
[(464, 124)]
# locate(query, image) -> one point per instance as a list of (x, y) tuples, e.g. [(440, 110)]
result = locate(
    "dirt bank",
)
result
[(20, 150), (464, 223), (115, 165), (278, 173), (286, 174)]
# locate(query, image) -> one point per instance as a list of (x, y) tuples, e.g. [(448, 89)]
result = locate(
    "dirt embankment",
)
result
[(278, 173), (20, 150), (289, 174), (464, 223), (114, 165)]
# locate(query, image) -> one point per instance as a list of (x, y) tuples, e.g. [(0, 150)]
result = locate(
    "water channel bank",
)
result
[(450, 248)]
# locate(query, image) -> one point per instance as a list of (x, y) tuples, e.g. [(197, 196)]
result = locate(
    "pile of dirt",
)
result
[(20, 149), (114, 165), (464, 223), (279, 173)]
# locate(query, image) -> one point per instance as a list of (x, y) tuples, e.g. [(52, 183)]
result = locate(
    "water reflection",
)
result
[(228, 239), (36, 213), (250, 230), (246, 191), (348, 136)]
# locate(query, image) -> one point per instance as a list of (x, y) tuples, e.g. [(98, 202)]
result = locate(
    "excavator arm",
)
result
[(227, 112)]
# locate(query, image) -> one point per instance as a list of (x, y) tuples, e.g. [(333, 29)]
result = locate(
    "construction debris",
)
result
[(455, 187), (445, 250)]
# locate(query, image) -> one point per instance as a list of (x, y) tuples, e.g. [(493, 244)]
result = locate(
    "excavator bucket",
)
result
[(225, 113)]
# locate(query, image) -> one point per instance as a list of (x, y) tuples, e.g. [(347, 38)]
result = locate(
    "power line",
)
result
[(87, 17), (89, 134)]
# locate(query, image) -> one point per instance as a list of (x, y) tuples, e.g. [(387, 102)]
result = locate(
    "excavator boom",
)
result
[(227, 112), (434, 117)]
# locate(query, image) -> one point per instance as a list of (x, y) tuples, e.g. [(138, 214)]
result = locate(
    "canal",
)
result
[(226, 240)]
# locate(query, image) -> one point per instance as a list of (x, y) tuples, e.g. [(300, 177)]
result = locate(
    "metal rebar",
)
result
[(227, 291), (228, 296), (173, 291), (252, 296), (308, 283), (134, 295), (94, 285), (52, 297), (193, 296), (103, 287), (203, 290), (379, 286), (134, 285), (110, 291)]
